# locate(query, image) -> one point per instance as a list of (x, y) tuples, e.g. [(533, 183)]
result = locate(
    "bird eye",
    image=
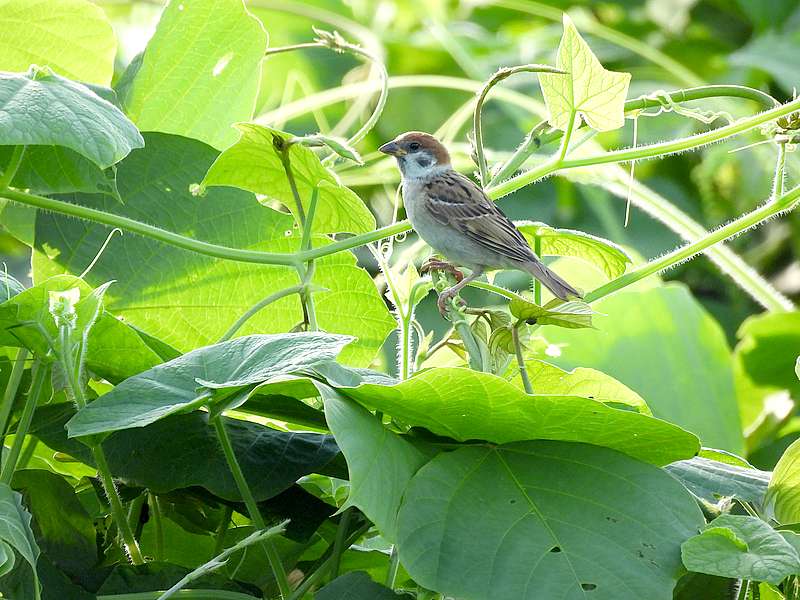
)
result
[(414, 146)]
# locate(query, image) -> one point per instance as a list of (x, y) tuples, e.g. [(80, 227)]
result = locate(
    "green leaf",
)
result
[(7, 559), (57, 170), (468, 405), (588, 90), (174, 294), (662, 344), (254, 163), (605, 255), (589, 383), (380, 462), (163, 456), (175, 386), (767, 349), (773, 53), (115, 351), (783, 494), (41, 108), (9, 286), (571, 315), (15, 525), (712, 480), (72, 37), (64, 529), (741, 547), (200, 72), (355, 585), (544, 520)]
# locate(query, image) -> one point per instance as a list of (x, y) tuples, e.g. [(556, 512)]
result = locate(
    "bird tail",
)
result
[(551, 281)]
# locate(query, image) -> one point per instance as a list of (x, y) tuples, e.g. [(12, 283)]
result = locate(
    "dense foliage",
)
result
[(225, 377)]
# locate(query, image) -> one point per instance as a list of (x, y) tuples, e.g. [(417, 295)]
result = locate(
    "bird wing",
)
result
[(456, 201)]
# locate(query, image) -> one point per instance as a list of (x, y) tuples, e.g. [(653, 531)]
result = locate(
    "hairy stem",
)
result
[(477, 128), (252, 507), (10, 393), (39, 375), (297, 289), (732, 229), (523, 370)]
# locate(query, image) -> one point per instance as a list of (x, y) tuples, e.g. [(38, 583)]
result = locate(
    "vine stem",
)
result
[(297, 289), (642, 152), (75, 389), (39, 375), (155, 510), (10, 393), (477, 128), (394, 566), (537, 285), (733, 228), (194, 594), (252, 507), (219, 535), (523, 370), (338, 544)]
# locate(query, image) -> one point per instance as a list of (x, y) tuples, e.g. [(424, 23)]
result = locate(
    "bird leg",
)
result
[(434, 264), (452, 292)]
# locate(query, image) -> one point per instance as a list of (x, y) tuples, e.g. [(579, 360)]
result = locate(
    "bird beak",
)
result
[(393, 149)]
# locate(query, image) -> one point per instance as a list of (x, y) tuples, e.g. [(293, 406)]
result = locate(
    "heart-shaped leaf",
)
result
[(741, 547), (538, 520), (254, 163), (41, 108)]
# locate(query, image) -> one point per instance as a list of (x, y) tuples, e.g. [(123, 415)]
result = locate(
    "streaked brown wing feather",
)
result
[(456, 201)]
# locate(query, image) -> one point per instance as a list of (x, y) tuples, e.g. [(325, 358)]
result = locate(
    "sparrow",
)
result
[(453, 215)]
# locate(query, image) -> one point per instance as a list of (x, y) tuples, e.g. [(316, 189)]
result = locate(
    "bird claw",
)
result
[(444, 297), (434, 264)]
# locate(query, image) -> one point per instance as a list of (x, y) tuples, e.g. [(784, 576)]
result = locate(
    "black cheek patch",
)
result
[(423, 161)]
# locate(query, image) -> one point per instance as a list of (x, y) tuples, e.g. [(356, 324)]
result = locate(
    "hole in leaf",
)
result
[(512, 501), (612, 520), (588, 587), (555, 549)]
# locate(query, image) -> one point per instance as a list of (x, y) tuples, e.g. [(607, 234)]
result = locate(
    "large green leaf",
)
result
[(589, 383), (15, 525), (57, 170), (741, 547), (190, 300), (169, 387), (606, 256), (115, 351), (61, 524), (380, 462), (712, 480), (41, 108), (355, 585), (253, 163), (783, 494), (587, 91), (772, 52), (163, 456), (468, 405), (200, 71), (571, 315), (72, 37), (663, 345), (538, 520)]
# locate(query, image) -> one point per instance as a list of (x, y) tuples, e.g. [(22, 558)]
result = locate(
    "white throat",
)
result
[(411, 169)]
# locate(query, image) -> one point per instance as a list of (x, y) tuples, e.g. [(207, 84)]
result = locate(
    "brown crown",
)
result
[(428, 142)]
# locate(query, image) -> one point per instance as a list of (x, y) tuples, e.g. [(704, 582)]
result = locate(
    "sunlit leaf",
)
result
[(254, 163), (41, 108), (571, 315), (589, 383), (544, 520), (588, 91), (783, 495), (713, 480), (72, 37), (468, 405), (338, 145), (743, 547), (605, 255), (200, 72)]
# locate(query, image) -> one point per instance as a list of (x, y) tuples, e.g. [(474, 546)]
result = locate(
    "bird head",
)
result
[(418, 154)]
